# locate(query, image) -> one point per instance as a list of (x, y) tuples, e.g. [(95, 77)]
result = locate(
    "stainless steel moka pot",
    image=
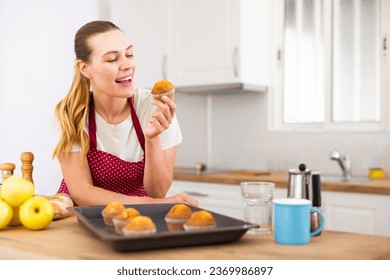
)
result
[(306, 184)]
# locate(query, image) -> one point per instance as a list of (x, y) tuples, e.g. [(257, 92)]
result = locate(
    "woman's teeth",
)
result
[(126, 79)]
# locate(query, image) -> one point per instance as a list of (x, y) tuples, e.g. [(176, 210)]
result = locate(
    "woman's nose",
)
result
[(125, 66), (126, 63)]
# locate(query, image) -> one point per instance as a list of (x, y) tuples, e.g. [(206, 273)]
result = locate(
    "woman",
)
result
[(117, 143)]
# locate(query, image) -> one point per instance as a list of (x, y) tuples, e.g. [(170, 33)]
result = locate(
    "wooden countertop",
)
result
[(379, 186), (68, 239)]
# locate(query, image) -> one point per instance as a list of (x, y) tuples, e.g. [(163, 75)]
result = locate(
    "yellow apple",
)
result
[(36, 213), (5, 214), (15, 221), (16, 190)]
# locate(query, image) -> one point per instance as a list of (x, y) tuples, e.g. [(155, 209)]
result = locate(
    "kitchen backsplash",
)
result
[(237, 138)]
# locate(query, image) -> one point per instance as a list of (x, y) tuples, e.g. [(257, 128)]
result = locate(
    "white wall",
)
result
[(36, 70)]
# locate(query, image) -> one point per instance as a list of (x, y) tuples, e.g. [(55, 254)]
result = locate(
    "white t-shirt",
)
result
[(121, 139)]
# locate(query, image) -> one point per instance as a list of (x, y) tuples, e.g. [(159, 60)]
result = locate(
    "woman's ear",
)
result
[(83, 68)]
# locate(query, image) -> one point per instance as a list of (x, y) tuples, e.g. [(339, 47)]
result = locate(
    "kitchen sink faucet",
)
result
[(344, 162)]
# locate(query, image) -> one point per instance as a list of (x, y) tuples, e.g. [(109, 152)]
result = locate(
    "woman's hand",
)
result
[(181, 198), (161, 118)]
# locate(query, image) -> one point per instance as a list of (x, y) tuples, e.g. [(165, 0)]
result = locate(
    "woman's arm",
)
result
[(159, 164), (78, 179), (158, 174)]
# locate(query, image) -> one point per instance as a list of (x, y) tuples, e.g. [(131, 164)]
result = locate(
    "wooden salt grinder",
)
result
[(7, 169), (27, 167)]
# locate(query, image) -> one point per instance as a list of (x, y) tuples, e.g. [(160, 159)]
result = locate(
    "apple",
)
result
[(36, 213), (5, 214), (16, 190), (15, 221)]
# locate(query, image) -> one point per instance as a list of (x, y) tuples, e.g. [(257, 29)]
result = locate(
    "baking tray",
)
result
[(227, 229)]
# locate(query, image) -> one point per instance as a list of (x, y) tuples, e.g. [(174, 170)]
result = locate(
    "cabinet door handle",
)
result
[(164, 67), (235, 61), (202, 194)]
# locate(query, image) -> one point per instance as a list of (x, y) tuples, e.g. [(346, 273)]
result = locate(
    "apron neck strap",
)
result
[(137, 125), (92, 125)]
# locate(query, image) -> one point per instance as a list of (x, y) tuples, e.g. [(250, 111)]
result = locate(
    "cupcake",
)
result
[(124, 217), (163, 87), (139, 225), (177, 216), (200, 220), (111, 211)]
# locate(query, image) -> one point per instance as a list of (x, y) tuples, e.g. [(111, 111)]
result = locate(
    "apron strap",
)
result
[(137, 125), (92, 125)]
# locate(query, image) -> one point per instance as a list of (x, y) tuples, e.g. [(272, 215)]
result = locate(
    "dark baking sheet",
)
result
[(227, 229)]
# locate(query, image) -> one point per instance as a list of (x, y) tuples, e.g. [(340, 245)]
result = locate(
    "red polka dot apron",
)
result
[(110, 172)]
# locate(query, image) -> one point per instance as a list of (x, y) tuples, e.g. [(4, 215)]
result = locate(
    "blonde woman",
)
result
[(117, 143)]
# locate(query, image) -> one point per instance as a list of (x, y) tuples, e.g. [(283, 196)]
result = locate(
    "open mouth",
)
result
[(124, 81)]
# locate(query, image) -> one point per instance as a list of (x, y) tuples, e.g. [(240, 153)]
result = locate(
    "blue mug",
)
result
[(292, 221)]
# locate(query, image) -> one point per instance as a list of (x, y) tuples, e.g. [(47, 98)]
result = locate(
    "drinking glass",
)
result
[(257, 199)]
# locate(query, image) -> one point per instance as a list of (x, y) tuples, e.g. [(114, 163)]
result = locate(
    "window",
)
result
[(331, 64)]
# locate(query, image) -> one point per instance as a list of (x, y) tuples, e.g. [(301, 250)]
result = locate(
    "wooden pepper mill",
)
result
[(7, 169), (27, 167)]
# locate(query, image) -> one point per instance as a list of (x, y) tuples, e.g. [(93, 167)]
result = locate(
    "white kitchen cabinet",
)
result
[(350, 212), (190, 42), (224, 199), (256, 41), (358, 213), (205, 42), (145, 23)]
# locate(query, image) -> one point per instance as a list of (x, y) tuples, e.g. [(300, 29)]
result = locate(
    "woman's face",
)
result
[(112, 64)]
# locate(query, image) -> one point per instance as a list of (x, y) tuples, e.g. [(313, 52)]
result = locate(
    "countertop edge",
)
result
[(378, 187)]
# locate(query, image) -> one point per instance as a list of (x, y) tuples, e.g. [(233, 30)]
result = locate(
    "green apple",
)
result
[(16, 190), (5, 214), (36, 213)]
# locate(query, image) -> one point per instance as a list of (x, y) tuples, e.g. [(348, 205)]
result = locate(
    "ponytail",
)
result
[(72, 115)]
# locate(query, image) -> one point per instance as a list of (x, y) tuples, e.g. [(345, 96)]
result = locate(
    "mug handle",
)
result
[(318, 230)]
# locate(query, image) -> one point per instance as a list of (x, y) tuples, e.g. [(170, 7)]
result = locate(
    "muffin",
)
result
[(124, 217), (111, 211), (177, 216), (139, 225), (200, 220), (163, 87)]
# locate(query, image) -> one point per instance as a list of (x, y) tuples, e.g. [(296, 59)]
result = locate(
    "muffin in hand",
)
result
[(163, 87)]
